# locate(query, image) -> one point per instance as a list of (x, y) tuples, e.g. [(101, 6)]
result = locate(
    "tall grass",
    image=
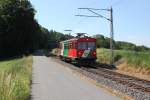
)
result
[(15, 76), (135, 59), (103, 56)]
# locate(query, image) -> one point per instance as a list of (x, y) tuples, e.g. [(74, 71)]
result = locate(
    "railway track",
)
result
[(131, 83)]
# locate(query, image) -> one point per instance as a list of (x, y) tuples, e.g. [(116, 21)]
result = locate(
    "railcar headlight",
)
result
[(94, 53), (79, 53)]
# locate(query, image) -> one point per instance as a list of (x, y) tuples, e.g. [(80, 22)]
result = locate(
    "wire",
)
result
[(82, 19)]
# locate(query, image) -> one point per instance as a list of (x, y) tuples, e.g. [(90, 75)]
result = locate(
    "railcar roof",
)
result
[(75, 39), (70, 40)]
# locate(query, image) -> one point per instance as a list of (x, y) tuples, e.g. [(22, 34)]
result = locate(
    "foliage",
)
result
[(15, 76), (54, 39), (104, 42), (50, 39), (129, 46), (18, 27), (20, 33)]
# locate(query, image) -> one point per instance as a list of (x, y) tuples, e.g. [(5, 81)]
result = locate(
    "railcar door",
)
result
[(62, 48), (65, 52)]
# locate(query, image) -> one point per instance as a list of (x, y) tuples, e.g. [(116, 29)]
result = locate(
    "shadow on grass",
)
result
[(10, 58)]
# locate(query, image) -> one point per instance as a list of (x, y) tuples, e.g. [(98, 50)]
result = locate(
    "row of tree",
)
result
[(51, 39), (104, 42), (18, 28), (20, 33)]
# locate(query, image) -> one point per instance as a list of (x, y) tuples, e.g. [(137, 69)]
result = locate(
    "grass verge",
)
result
[(138, 61), (15, 76)]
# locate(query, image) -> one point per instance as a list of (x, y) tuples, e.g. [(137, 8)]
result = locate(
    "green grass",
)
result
[(135, 59), (15, 76)]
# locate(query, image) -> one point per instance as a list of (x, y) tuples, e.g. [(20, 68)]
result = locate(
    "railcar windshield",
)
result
[(87, 45)]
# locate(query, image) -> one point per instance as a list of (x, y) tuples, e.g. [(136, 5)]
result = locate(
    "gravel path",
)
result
[(53, 81)]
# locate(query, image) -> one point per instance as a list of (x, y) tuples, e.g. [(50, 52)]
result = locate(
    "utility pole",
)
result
[(111, 27), (112, 36)]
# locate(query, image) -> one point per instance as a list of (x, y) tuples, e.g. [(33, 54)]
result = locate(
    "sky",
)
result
[(131, 18)]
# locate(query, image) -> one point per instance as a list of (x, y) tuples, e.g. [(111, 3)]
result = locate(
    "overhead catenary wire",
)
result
[(69, 25)]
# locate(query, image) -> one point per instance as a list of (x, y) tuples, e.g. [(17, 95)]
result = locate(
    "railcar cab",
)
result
[(86, 49)]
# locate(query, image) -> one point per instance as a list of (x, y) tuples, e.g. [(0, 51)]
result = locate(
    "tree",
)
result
[(18, 27), (104, 42), (49, 39), (55, 38)]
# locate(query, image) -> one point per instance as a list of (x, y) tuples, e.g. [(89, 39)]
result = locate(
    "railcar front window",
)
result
[(87, 45), (82, 45), (91, 45)]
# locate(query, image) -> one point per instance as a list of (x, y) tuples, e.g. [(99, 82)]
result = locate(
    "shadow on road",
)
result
[(95, 65), (39, 53), (106, 66)]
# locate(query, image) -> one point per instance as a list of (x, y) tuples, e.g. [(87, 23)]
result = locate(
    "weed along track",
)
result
[(133, 87)]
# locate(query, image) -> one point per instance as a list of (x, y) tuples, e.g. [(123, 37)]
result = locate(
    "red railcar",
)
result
[(78, 49)]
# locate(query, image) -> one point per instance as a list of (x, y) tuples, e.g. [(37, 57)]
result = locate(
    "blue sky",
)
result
[(131, 18)]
